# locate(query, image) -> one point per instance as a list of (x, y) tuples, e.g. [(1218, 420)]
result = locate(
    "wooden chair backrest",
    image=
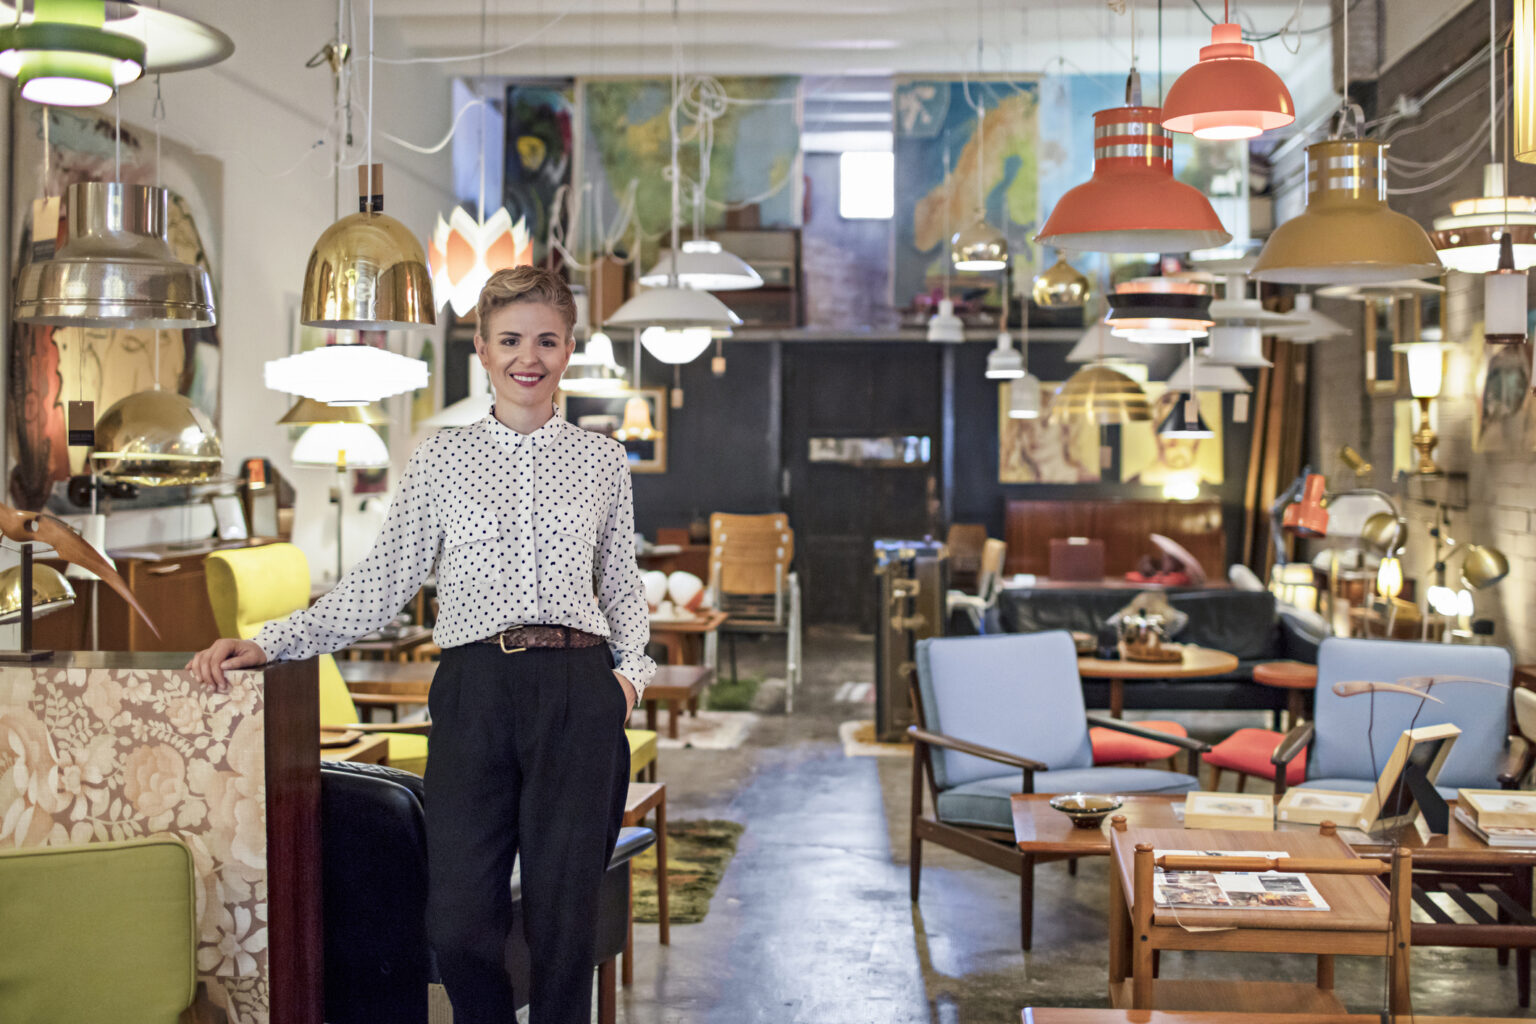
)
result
[(993, 554), (966, 543), (750, 554)]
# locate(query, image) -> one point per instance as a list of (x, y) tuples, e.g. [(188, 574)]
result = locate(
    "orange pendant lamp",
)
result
[(1228, 94), (1132, 203)]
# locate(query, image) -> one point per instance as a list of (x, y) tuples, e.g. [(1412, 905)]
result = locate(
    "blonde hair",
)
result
[(526, 284)]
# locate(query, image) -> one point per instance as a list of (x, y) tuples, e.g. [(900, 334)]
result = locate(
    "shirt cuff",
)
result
[(637, 668)]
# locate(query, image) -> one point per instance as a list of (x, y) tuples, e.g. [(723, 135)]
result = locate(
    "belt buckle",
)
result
[(501, 641)]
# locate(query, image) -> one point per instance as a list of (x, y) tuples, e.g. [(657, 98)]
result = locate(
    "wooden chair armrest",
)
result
[(1132, 729), (975, 749), (1517, 761), (1286, 752), (419, 728), (387, 699)]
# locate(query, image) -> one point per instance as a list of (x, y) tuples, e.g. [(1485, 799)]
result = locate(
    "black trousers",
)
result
[(528, 756)]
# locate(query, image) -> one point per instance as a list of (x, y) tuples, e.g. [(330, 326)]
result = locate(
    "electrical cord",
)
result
[(1283, 30)]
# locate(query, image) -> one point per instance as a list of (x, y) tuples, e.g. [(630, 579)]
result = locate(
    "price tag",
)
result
[(80, 421), (45, 228), (1240, 407)]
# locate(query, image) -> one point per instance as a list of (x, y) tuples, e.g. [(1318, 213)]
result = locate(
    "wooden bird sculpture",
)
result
[(41, 528), (1413, 686)]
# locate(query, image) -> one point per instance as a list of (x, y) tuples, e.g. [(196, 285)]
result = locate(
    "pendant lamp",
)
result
[(1468, 240), (705, 265), (346, 374), (306, 412), (1160, 310), (980, 247), (1024, 397), (1132, 203), (1062, 286), (116, 268), (1185, 421), (1347, 234), (1228, 94), (156, 438), (1208, 376), (944, 325), (51, 592), (1236, 345), (1236, 309), (1004, 362), (593, 369), (367, 271), (169, 42), (637, 422), (1102, 395), (472, 407), (1310, 325), (64, 57), (1504, 299), (465, 252), (1099, 345)]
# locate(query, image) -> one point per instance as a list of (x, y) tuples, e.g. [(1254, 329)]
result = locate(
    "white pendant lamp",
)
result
[(705, 265), (1004, 361), (1236, 309), (346, 374), (1310, 325), (1208, 376), (1504, 299), (593, 369), (1239, 345), (1024, 397), (1185, 421), (676, 345), (944, 325)]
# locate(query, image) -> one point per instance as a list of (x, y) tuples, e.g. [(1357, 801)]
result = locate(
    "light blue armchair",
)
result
[(1345, 730), (1004, 714)]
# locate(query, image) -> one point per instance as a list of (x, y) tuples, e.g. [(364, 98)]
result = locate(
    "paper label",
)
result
[(80, 420)]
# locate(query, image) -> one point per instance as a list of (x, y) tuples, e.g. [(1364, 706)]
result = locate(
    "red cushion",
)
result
[(1249, 750), (1111, 747)]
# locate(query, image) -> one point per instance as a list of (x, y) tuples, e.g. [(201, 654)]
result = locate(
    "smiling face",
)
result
[(524, 347)]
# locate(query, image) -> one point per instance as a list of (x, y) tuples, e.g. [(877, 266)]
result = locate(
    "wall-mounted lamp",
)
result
[(1426, 375)]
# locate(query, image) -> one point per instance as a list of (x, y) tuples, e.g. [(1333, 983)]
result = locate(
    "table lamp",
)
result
[(1426, 375)]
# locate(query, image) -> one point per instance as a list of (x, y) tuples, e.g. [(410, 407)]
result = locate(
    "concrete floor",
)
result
[(812, 923)]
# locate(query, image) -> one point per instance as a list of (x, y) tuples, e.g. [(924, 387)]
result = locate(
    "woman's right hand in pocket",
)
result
[(210, 665)]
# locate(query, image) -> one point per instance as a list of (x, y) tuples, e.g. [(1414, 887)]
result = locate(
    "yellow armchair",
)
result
[(249, 587)]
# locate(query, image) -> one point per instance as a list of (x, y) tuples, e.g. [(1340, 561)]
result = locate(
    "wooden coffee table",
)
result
[(677, 686), (1198, 662)]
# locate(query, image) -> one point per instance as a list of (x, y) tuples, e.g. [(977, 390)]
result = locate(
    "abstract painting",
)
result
[(538, 160)]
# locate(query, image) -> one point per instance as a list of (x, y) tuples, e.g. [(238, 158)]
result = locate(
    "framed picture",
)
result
[(636, 417), (1383, 366), (229, 516), (1390, 804)]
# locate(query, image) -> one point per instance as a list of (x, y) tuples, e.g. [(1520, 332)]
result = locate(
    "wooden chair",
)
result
[(967, 550), (1363, 919), (750, 579), (988, 585)]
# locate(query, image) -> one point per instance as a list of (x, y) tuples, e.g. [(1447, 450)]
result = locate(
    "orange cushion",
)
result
[(1111, 747), (1249, 750)]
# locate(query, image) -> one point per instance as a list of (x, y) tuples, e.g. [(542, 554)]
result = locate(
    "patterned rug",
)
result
[(858, 739), (698, 852)]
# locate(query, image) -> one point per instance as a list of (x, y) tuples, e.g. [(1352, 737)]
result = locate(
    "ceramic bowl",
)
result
[(1087, 810)]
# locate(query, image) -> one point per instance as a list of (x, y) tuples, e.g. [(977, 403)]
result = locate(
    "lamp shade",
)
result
[(1180, 425), (1132, 203), (171, 42), (980, 247), (1468, 240), (944, 325), (1005, 362), (346, 374), (367, 272), (1100, 344), (703, 264), (1504, 299), (1100, 394), (1483, 566), (1061, 286), (1426, 367), (306, 412), (1309, 326), (637, 425), (1208, 376), (156, 438), (355, 445), (64, 57), (1308, 517), (1024, 397), (1236, 346), (676, 344), (1347, 234), (676, 308), (1228, 94), (116, 268), (593, 369), (464, 253), (51, 592), (1160, 310), (1383, 533)]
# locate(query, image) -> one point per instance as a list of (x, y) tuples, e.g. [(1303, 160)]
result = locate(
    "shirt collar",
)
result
[(513, 439)]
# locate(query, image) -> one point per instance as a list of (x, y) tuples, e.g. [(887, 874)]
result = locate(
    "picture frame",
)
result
[(604, 414), (230, 516), (1390, 804), (1384, 321)]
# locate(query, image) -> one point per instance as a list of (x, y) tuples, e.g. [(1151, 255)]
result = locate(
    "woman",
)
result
[(519, 514)]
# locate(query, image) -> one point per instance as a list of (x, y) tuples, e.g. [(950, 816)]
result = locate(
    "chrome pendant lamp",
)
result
[(116, 268)]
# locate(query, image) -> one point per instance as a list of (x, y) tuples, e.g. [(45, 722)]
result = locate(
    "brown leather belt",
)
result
[(520, 638)]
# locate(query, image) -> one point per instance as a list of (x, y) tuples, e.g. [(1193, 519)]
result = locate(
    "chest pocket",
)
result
[(574, 521), (470, 525), (472, 545)]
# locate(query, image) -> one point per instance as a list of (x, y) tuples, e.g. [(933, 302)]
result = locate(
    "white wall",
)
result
[(260, 112)]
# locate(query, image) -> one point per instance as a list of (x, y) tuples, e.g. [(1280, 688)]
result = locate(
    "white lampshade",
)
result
[(676, 345), (593, 369), (704, 265), (1208, 377), (1005, 362), (1468, 240), (346, 374), (1504, 301), (675, 308), (1426, 367), (324, 443), (1310, 326), (1100, 343), (945, 325), (1236, 346), (1024, 398)]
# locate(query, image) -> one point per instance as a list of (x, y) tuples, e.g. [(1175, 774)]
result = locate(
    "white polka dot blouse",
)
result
[(522, 529)]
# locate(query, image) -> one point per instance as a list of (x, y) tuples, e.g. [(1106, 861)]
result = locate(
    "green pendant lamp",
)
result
[(64, 57)]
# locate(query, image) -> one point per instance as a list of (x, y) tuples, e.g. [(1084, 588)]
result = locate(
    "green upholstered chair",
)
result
[(249, 587), (101, 933)]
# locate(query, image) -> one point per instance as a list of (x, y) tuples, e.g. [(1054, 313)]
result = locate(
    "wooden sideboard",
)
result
[(1125, 527), (169, 581)]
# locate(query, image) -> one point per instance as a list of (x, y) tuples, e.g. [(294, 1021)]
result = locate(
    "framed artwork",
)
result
[(606, 414), (1383, 323), (1503, 419), (1040, 451), (230, 516)]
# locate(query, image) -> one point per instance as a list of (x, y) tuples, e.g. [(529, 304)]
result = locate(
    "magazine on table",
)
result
[(1233, 890), (1498, 835)]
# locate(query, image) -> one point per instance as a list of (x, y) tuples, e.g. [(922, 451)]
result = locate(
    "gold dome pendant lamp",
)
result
[(156, 438), (1061, 286), (367, 272)]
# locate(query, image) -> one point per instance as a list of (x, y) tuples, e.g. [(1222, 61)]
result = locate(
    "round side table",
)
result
[(1293, 677)]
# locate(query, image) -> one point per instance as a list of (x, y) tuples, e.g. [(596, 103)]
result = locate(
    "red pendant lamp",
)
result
[(1132, 203), (1228, 94)]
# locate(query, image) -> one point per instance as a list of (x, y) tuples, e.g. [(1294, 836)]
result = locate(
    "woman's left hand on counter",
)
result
[(210, 665)]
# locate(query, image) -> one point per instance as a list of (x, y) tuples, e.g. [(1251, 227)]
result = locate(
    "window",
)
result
[(866, 186)]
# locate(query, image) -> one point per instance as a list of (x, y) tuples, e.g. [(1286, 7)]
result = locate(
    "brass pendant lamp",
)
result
[(1102, 395), (156, 438)]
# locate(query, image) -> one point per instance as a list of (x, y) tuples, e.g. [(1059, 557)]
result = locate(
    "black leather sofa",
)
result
[(1241, 622), (374, 863)]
